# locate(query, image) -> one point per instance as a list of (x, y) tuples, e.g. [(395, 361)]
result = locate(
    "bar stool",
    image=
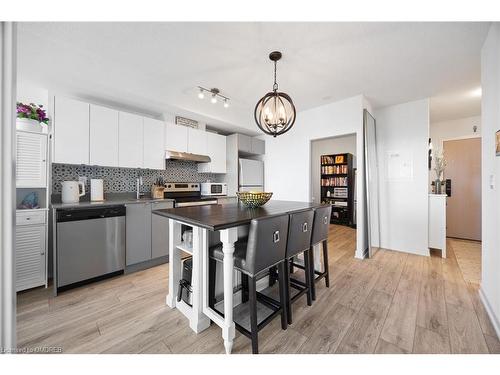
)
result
[(321, 225), (299, 241), (266, 247)]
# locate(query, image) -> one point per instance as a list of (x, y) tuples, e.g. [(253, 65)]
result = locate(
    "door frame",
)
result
[(8, 50)]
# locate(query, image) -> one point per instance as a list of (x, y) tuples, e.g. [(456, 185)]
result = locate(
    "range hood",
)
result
[(176, 155)]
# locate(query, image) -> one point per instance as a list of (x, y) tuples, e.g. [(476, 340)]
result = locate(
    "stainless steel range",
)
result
[(186, 194)]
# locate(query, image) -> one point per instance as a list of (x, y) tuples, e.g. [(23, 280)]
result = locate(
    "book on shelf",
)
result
[(334, 169), (334, 181)]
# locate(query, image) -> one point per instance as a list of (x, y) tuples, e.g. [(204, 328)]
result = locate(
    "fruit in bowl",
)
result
[(253, 199)]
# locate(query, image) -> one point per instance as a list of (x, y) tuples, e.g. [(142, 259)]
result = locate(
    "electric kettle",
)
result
[(72, 191)]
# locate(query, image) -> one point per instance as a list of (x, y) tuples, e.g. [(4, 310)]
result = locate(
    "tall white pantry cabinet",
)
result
[(31, 224)]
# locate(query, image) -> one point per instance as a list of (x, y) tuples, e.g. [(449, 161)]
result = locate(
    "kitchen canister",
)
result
[(96, 189)]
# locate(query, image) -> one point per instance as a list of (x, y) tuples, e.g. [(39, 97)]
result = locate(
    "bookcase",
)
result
[(337, 187)]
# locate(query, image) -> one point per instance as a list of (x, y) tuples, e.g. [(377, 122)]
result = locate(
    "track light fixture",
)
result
[(215, 94)]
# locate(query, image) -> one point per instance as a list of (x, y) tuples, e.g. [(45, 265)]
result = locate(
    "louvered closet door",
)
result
[(30, 256), (31, 166)]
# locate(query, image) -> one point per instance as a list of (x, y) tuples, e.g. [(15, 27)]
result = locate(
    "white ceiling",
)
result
[(155, 67)]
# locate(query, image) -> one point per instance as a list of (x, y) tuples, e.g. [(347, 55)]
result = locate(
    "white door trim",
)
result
[(8, 184)]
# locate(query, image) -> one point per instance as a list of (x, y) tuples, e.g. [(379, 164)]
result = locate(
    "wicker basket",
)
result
[(253, 199)]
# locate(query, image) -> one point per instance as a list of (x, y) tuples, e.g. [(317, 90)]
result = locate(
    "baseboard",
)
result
[(147, 264), (494, 321)]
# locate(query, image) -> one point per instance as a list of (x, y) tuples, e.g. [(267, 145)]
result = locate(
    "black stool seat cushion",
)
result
[(240, 253)]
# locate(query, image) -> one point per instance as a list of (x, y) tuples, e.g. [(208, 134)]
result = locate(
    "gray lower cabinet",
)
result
[(138, 233), (147, 234), (159, 230)]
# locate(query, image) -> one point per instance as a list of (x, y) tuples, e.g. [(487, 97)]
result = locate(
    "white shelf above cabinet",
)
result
[(103, 136)]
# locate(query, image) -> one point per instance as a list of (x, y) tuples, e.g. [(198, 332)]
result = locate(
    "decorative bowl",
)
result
[(253, 199)]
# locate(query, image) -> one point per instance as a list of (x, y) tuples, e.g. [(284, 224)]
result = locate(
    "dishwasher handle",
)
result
[(89, 213)]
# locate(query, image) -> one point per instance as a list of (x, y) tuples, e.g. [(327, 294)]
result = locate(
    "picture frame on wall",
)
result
[(497, 142)]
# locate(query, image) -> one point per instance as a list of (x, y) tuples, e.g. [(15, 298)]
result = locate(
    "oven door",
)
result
[(196, 203)]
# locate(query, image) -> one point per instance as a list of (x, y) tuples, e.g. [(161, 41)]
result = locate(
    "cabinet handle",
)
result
[(43, 160), (28, 218), (42, 253)]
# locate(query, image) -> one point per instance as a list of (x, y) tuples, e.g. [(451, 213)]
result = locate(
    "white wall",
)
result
[(490, 110), (287, 159), (460, 128), (335, 145), (403, 130)]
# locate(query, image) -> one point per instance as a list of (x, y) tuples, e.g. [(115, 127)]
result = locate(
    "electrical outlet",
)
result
[(83, 179)]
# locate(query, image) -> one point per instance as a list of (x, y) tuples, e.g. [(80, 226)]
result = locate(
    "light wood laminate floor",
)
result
[(393, 303)]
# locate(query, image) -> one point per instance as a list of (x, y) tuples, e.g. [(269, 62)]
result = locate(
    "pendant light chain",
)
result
[(275, 86)]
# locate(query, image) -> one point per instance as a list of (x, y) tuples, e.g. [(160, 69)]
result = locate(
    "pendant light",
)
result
[(275, 112)]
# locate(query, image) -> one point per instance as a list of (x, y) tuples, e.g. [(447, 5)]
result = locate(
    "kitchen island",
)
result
[(225, 219)]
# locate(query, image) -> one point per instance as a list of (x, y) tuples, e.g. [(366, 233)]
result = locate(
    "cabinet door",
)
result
[(197, 141), (103, 136), (30, 256), (244, 143), (130, 144), (159, 230), (71, 131), (154, 150), (31, 164), (138, 236), (176, 138), (216, 149), (258, 146)]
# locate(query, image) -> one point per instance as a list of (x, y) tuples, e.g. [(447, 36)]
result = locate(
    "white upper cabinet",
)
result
[(154, 146), (71, 131), (31, 163), (197, 141), (103, 136), (216, 149), (130, 140), (176, 138)]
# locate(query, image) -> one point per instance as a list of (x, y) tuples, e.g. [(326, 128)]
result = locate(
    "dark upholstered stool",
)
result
[(266, 247), (321, 225), (299, 241)]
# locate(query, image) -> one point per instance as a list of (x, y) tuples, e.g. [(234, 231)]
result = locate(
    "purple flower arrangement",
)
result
[(32, 111)]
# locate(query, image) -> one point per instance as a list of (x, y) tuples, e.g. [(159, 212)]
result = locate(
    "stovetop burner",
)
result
[(185, 192)]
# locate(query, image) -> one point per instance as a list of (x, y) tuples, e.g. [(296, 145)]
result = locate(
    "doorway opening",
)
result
[(460, 143), (333, 181)]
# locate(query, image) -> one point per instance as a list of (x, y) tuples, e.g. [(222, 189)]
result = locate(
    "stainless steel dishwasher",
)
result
[(90, 245)]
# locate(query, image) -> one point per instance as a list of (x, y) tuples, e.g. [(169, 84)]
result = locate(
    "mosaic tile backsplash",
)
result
[(121, 180)]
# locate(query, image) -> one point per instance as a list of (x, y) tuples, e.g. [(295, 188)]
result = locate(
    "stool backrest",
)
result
[(299, 232), (321, 224), (266, 243)]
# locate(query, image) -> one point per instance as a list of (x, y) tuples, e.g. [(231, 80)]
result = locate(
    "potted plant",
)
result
[(30, 117)]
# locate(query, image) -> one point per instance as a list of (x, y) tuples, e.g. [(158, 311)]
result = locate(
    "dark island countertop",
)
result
[(217, 217)]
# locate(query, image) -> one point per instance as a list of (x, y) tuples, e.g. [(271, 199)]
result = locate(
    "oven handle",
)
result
[(189, 204)]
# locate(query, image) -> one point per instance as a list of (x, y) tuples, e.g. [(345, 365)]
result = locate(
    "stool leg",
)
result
[(292, 268), (212, 269), (309, 280), (325, 263), (272, 276), (284, 301), (313, 275), (252, 291), (244, 287)]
